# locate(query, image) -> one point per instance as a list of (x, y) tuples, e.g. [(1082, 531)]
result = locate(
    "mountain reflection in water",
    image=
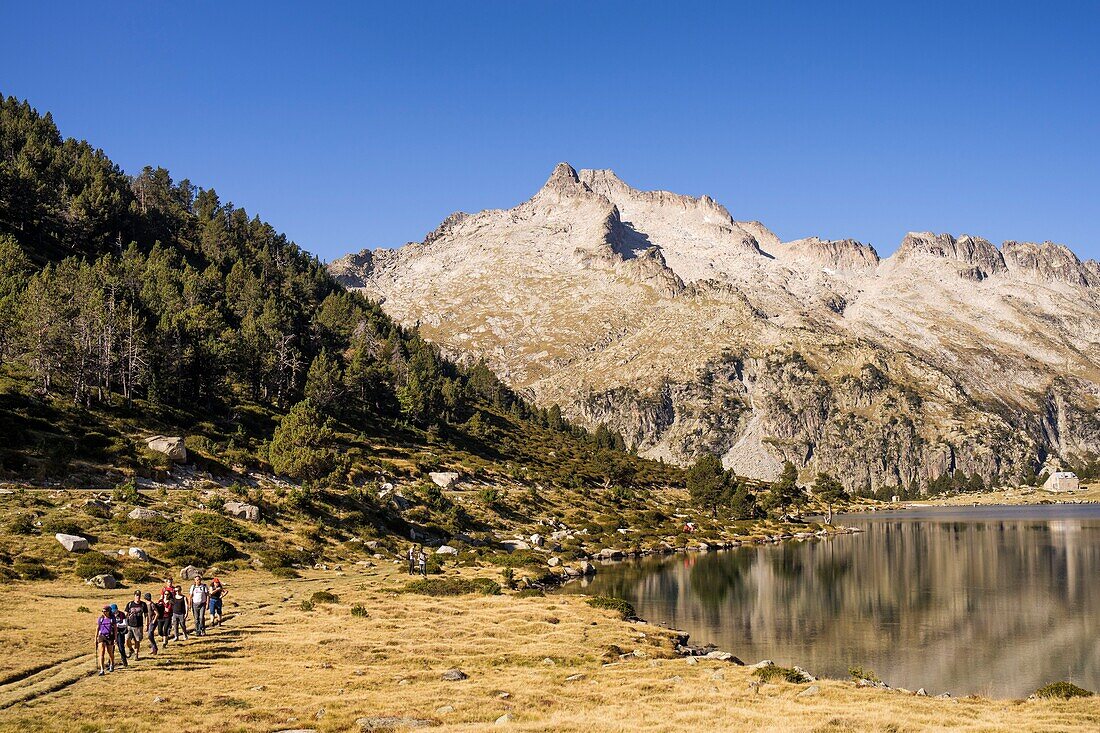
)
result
[(990, 601)]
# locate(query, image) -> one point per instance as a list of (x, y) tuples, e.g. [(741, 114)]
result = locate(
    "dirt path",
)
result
[(44, 679)]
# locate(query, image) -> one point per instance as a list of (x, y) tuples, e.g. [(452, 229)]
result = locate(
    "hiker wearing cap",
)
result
[(179, 614), (197, 597), (105, 640), (120, 633), (217, 593), (152, 621), (135, 624)]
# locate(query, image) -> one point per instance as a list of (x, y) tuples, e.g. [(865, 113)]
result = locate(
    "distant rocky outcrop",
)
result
[(169, 446), (686, 329)]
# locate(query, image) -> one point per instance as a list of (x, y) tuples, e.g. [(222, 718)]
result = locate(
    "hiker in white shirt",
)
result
[(198, 595)]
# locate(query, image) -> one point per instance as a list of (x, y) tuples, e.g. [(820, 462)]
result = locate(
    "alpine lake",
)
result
[(993, 601)]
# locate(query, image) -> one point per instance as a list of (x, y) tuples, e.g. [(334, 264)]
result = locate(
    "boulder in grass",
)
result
[(105, 581), (141, 513), (171, 447), (443, 479), (137, 553), (240, 510), (72, 542), (190, 572), (454, 675), (446, 550)]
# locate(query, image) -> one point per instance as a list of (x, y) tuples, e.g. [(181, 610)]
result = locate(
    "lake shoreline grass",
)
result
[(548, 662)]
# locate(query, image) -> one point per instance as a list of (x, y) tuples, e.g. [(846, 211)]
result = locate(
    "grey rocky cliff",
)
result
[(686, 329)]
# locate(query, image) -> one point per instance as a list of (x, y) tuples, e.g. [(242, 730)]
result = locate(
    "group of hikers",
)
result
[(123, 630), (418, 560)]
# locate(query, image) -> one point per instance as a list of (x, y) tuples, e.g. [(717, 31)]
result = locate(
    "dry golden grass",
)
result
[(1089, 493), (274, 666)]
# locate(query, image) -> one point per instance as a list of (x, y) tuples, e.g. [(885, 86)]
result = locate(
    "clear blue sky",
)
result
[(359, 125)]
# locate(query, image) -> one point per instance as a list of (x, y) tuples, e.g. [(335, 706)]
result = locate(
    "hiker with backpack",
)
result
[(422, 561), (120, 633), (105, 640), (411, 556), (135, 624), (152, 621), (197, 597), (217, 593)]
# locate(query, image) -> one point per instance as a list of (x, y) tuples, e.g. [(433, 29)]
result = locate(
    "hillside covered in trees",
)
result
[(135, 305)]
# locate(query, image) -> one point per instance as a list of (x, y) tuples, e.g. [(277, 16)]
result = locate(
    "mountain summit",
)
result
[(688, 330)]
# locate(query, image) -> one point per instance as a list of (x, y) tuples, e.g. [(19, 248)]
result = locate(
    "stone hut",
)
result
[(1062, 481)]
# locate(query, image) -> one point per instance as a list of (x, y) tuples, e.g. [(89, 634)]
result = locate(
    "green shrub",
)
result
[(223, 526), (860, 673), (61, 525), (491, 497), (31, 568), (434, 565), (612, 604), (359, 611), (194, 545), (92, 564), (126, 493), (280, 572), (306, 605), (453, 587), (517, 559), (530, 593), (160, 529), (98, 511), (324, 596), (773, 672), (22, 524), (283, 557), (1062, 691), (83, 609)]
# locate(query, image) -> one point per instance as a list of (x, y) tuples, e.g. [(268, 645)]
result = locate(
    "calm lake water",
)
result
[(995, 601)]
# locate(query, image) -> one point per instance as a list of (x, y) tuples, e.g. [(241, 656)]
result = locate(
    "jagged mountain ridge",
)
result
[(686, 329)]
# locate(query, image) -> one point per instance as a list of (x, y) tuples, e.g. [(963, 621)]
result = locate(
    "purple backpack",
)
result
[(106, 626)]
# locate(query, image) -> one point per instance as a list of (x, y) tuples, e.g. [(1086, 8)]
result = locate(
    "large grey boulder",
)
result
[(454, 675), (443, 479), (446, 550), (240, 510), (72, 542), (190, 572), (171, 447), (145, 514), (513, 545), (106, 582), (137, 553)]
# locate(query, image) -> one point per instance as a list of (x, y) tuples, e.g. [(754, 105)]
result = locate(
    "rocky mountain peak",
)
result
[(980, 258), (686, 329), (840, 255), (563, 180), (1049, 262)]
